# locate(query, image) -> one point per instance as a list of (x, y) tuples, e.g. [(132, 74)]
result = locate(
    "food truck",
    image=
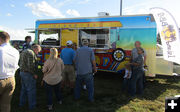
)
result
[(111, 37)]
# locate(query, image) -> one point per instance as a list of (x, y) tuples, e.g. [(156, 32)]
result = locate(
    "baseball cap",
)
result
[(69, 42)]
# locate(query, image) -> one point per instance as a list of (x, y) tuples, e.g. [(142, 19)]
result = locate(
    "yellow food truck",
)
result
[(111, 37)]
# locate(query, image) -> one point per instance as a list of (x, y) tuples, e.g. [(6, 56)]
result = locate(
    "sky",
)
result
[(18, 15)]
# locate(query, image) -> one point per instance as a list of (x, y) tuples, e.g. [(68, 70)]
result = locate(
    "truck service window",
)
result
[(98, 38), (49, 37)]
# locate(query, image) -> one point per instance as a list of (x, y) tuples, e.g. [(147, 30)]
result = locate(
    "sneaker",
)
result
[(50, 107), (60, 102), (84, 87)]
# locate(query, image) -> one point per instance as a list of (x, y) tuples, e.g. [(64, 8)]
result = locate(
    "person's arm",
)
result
[(24, 46), (94, 66), (93, 61), (134, 64), (138, 62), (145, 57), (145, 60), (32, 64), (45, 67), (62, 65), (1, 62), (17, 60), (128, 75), (61, 56), (75, 56), (131, 57), (44, 70)]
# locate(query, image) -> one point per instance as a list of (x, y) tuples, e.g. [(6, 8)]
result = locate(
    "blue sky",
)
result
[(17, 15)]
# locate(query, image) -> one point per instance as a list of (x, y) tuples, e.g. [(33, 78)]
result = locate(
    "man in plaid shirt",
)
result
[(28, 66)]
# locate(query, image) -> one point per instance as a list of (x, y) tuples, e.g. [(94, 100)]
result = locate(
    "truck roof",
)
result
[(152, 18)]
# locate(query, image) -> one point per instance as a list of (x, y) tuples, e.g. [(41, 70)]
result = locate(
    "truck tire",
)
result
[(119, 55)]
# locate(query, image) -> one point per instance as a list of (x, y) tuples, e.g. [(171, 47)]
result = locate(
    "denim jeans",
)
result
[(28, 89), (49, 92), (136, 80), (88, 79), (125, 85)]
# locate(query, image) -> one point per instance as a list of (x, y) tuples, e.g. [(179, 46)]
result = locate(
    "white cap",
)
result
[(69, 42)]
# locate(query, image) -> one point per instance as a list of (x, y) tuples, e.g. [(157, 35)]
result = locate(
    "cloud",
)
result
[(140, 8), (16, 34), (143, 8), (54, 1), (60, 4), (83, 1), (143, 11), (44, 9), (73, 12), (12, 5), (8, 14)]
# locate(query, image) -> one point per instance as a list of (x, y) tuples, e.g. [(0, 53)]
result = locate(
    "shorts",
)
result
[(69, 73)]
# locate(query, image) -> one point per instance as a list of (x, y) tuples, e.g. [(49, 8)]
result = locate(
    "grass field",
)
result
[(108, 96)]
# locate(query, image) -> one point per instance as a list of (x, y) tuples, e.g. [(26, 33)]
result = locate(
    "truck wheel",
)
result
[(119, 55)]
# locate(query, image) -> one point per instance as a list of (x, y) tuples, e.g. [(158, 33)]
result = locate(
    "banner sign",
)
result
[(169, 34)]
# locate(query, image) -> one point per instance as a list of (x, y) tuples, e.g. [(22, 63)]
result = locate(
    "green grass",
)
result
[(108, 96)]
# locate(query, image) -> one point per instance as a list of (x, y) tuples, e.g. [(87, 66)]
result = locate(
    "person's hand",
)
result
[(95, 69), (128, 76), (35, 76), (145, 66)]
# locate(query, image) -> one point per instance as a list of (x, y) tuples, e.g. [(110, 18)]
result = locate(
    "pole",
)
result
[(120, 7)]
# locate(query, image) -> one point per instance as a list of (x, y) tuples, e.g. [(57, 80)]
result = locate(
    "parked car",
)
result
[(159, 51), (18, 44), (172, 68)]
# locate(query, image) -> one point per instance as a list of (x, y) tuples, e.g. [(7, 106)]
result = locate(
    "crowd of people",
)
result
[(74, 69)]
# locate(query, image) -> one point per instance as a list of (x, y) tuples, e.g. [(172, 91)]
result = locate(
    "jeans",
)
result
[(88, 79), (136, 80), (28, 89), (49, 92), (125, 85)]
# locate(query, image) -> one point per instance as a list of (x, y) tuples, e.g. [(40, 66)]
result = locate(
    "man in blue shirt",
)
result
[(86, 66), (67, 55)]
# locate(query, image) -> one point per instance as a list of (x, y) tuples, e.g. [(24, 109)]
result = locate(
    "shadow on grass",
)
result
[(108, 95), (158, 85)]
